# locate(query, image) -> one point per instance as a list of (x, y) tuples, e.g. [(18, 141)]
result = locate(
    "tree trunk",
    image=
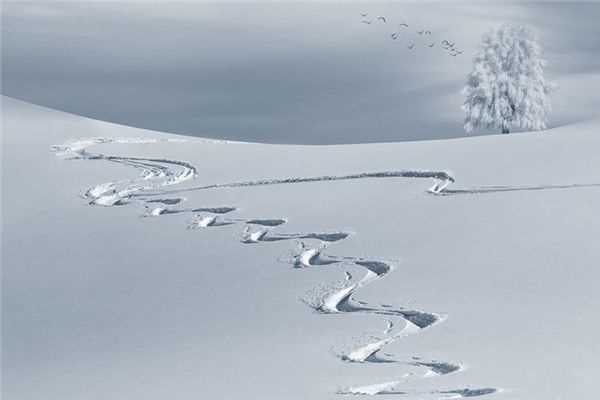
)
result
[(505, 129)]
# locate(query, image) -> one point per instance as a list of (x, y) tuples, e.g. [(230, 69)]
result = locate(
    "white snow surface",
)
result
[(99, 303)]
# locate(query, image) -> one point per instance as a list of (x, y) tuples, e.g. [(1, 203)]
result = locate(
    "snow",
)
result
[(497, 271)]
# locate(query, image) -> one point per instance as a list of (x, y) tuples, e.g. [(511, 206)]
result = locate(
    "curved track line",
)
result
[(393, 388), (339, 300), (266, 235), (500, 189), (158, 173), (164, 210), (205, 221), (442, 180), (166, 201), (155, 172), (369, 352)]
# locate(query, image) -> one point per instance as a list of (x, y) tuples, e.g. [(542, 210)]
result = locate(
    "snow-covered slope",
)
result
[(138, 264)]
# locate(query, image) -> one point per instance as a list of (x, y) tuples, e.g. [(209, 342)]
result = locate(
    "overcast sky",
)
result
[(285, 73)]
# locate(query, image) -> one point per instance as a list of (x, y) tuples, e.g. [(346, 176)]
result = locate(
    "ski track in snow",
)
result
[(441, 180), (166, 201), (393, 388), (149, 189), (500, 189)]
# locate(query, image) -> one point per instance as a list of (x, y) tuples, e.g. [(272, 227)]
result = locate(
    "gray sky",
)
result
[(286, 73)]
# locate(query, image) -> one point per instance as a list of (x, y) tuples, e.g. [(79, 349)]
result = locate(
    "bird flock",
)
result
[(425, 36)]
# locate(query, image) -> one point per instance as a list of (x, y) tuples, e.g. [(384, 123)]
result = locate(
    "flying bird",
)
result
[(363, 14), (382, 19), (411, 46), (428, 32), (404, 25), (432, 44), (366, 22), (420, 32), (394, 35)]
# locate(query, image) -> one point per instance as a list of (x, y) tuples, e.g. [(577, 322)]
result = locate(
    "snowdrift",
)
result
[(441, 269)]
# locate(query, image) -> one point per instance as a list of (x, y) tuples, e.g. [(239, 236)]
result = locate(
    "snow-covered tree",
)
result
[(506, 87)]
